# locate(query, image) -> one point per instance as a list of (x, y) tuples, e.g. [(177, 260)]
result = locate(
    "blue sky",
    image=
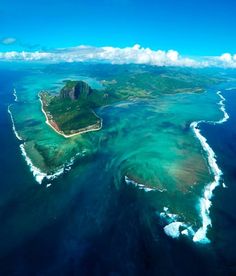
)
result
[(193, 27)]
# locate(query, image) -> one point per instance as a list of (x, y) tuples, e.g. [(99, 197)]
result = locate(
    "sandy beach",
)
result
[(81, 131)]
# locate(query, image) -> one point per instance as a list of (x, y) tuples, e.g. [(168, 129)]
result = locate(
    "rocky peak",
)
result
[(75, 90)]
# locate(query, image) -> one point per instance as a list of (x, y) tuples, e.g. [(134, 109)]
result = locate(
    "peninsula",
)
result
[(72, 111)]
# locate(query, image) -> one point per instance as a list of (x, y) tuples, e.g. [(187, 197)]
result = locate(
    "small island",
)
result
[(72, 111)]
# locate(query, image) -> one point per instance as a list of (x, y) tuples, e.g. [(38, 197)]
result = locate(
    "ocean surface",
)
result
[(93, 219)]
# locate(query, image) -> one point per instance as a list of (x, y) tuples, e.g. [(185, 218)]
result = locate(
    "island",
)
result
[(72, 111), (131, 126)]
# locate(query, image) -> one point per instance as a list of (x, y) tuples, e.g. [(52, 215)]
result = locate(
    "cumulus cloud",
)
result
[(228, 59), (8, 40), (115, 55)]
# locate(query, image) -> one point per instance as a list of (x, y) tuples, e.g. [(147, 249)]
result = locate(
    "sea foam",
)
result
[(15, 95), (173, 229), (205, 200), (138, 185), (38, 174), (13, 123)]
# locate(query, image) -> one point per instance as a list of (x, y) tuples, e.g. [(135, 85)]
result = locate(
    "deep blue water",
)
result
[(222, 139), (79, 228)]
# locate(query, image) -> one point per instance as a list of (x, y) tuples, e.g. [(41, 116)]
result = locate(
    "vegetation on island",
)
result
[(73, 109)]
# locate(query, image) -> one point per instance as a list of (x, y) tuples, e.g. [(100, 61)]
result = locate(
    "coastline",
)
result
[(82, 131), (13, 123), (172, 229), (205, 200), (37, 173)]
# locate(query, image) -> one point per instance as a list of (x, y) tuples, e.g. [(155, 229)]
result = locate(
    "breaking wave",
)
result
[(205, 200), (38, 174)]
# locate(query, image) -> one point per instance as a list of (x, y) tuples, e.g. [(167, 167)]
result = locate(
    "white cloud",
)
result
[(115, 55), (226, 57), (8, 40), (228, 60)]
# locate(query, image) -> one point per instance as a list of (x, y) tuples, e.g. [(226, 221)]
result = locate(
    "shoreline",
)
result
[(205, 201), (82, 131), (172, 229), (13, 123), (38, 174)]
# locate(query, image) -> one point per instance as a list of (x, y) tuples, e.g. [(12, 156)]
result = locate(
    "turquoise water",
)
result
[(47, 150), (147, 144), (133, 184)]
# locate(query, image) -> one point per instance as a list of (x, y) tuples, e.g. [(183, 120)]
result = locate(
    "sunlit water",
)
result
[(146, 160)]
